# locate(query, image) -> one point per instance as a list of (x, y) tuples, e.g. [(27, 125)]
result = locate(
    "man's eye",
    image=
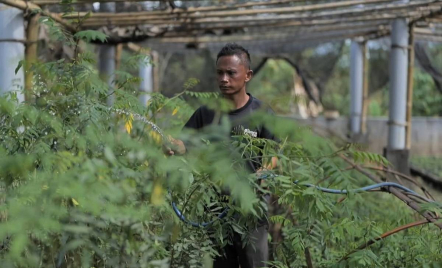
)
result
[(231, 73)]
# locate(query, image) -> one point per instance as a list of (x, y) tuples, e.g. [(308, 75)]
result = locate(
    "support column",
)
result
[(146, 85), (107, 58), (156, 70), (32, 31), (356, 86), (12, 29), (396, 151), (410, 85)]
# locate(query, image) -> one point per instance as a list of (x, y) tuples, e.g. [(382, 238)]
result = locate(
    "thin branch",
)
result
[(308, 258), (384, 235)]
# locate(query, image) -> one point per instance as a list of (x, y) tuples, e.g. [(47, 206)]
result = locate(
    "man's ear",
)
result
[(249, 75)]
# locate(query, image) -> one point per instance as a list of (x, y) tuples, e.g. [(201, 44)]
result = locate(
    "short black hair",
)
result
[(231, 49)]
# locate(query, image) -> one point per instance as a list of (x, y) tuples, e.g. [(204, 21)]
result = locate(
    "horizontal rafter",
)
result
[(30, 6), (247, 12), (261, 21)]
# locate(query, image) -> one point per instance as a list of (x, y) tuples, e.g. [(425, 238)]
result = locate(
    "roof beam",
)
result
[(182, 10), (232, 13), (190, 27), (294, 37), (339, 13), (30, 6)]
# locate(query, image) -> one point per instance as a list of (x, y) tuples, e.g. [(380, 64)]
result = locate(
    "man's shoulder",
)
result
[(259, 105), (204, 110)]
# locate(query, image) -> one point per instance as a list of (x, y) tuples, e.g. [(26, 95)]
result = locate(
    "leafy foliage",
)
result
[(90, 35)]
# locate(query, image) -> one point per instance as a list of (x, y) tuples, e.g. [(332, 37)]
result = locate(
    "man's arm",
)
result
[(177, 147)]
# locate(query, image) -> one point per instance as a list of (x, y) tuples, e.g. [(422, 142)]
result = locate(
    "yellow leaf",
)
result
[(157, 197), (128, 124), (45, 187), (175, 111), (155, 136), (75, 202)]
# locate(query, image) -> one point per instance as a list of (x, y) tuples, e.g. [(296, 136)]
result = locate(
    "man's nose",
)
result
[(223, 78)]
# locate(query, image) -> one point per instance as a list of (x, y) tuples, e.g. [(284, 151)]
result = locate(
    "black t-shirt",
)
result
[(240, 121)]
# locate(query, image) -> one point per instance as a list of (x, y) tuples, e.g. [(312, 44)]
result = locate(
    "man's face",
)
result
[(232, 75)]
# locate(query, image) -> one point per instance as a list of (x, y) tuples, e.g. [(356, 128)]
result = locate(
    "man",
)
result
[(233, 69)]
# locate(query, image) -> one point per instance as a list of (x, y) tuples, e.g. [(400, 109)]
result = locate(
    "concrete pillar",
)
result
[(107, 58), (356, 86), (396, 151), (11, 28), (146, 85), (398, 85)]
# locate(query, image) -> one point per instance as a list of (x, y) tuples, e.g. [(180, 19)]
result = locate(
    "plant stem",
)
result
[(384, 235), (308, 258)]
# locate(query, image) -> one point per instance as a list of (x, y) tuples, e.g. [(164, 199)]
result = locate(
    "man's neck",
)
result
[(239, 100)]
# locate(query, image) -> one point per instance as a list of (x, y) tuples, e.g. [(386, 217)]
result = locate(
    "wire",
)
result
[(196, 224), (322, 189)]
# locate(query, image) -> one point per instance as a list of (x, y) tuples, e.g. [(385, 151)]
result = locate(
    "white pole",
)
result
[(11, 28), (146, 85), (398, 85), (356, 86)]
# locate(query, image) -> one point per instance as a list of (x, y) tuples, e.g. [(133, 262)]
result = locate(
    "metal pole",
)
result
[(107, 58), (11, 28), (356, 86), (146, 85), (398, 85)]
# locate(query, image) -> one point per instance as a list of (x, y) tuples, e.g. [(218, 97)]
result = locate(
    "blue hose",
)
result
[(363, 189), (322, 189), (195, 224)]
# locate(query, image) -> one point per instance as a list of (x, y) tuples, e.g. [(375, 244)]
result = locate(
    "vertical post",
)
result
[(118, 52), (356, 86), (30, 53), (410, 85), (398, 85), (156, 71), (146, 85), (365, 90), (107, 58), (396, 151), (12, 51)]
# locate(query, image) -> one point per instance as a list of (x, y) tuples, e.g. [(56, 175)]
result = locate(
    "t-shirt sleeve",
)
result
[(265, 132), (195, 121)]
